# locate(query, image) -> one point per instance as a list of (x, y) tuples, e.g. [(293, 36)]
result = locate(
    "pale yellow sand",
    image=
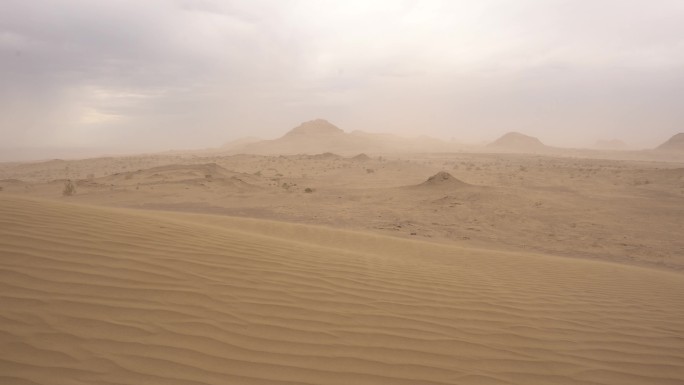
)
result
[(109, 296)]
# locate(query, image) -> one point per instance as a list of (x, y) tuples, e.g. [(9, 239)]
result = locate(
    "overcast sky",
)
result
[(157, 74)]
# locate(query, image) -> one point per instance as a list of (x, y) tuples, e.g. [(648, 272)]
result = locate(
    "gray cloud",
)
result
[(159, 74)]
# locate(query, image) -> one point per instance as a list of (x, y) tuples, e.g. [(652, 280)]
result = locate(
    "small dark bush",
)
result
[(69, 188)]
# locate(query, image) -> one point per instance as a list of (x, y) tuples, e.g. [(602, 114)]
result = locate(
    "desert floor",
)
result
[(428, 269), (615, 210)]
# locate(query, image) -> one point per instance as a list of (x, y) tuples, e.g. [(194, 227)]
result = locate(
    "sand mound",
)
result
[(176, 173), (361, 158), (93, 296), (324, 156), (12, 185), (675, 143), (443, 179), (11, 181), (515, 141)]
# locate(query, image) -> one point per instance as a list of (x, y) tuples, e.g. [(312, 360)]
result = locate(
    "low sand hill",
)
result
[(171, 183), (179, 173), (324, 156), (443, 180), (675, 143), (361, 158), (517, 142), (109, 296), (13, 185)]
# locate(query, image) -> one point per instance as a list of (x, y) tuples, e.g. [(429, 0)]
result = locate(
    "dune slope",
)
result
[(106, 296)]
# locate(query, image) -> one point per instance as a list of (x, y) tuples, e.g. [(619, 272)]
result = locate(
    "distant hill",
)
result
[(318, 127), (517, 142), (320, 136), (361, 158), (675, 143), (313, 137)]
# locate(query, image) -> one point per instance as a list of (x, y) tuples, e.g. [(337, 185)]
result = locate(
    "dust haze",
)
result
[(320, 192), (128, 76)]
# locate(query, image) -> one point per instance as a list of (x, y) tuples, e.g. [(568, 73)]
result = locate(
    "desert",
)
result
[(433, 268), (306, 192), (624, 210)]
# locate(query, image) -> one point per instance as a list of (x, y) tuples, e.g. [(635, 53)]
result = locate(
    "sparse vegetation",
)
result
[(309, 190), (69, 188)]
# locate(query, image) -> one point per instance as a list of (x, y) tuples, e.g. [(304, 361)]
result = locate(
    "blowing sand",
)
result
[(113, 296)]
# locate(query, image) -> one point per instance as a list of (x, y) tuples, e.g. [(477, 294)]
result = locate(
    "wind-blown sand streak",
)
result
[(107, 296)]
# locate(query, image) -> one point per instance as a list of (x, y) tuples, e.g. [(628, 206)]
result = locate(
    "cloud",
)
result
[(159, 74)]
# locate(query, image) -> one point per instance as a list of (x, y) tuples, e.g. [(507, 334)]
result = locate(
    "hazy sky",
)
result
[(154, 74)]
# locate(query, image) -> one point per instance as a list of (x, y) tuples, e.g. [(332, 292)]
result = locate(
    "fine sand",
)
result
[(94, 295)]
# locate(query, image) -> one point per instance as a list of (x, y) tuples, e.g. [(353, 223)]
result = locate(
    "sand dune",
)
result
[(110, 296)]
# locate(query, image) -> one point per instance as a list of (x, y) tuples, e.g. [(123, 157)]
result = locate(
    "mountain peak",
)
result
[(516, 140), (676, 142)]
